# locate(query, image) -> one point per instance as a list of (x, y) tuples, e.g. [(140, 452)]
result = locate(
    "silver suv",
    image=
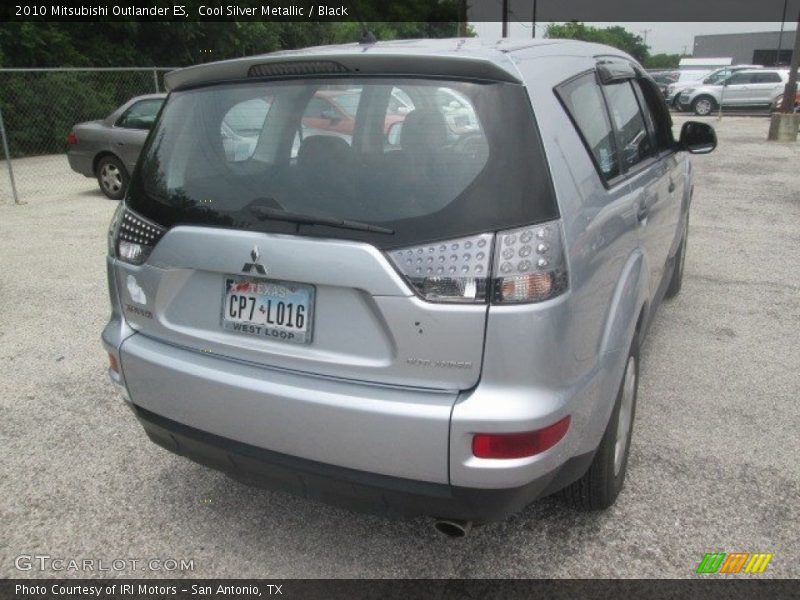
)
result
[(441, 321), (756, 88)]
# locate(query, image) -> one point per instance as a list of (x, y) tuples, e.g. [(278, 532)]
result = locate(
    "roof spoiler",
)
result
[(367, 63)]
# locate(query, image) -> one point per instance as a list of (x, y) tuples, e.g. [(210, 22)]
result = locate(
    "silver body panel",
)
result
[(356, 397)]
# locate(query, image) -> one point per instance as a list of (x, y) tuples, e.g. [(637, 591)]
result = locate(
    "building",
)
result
[(704, 64), (758, 48)]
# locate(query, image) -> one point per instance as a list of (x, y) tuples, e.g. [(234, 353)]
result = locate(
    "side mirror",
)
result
[(697, 138)]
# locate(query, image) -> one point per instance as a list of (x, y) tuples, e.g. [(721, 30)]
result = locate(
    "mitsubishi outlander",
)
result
[(434, 306)]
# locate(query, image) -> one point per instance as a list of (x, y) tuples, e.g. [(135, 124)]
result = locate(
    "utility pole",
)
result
[(790, 90), (645, 32), (505, 18), (780, 35), (783, 126), (533, 22)]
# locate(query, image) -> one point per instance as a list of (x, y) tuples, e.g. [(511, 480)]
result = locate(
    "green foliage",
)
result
[(40, 108), (663, 61), (177, 44), (615, 36)]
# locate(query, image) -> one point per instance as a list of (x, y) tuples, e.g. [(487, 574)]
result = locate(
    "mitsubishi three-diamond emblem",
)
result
[(255, 254)]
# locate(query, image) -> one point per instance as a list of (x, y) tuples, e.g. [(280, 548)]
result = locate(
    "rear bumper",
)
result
[(80, 162), (349, 488)]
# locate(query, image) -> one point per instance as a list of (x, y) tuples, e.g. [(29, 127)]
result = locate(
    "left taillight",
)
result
[(72, 139), (131, 237)]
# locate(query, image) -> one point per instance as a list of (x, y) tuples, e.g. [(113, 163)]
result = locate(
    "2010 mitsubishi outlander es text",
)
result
[(409, 277)]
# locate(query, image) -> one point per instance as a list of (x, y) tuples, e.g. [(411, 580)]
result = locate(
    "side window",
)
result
[(767, 77), (141, 115), (629, 123), (241, 127), (584, 103), (331, 111), (740, 78)]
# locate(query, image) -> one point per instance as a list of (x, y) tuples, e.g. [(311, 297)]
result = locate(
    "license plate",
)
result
[(276, 310)]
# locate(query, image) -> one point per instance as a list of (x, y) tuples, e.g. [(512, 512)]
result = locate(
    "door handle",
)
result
[(642, 211), (671, 186)]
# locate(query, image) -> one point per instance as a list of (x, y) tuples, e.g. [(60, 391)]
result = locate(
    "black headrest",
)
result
[(321, 151), (423, 129)]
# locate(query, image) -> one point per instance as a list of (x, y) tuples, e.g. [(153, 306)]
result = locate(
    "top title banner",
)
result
[(407, 10)]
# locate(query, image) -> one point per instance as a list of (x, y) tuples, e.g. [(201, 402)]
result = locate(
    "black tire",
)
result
[(112, 177), (703, 106), (601, 484), (676, 281)]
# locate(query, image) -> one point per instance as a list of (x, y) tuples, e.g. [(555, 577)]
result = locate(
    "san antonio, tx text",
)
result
[(99, 591)]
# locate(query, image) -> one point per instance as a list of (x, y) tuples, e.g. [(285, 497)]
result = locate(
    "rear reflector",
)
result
[(519, 445), (72, 139)]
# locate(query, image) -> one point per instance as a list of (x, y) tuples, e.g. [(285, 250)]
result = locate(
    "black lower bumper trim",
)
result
[(353, 489)]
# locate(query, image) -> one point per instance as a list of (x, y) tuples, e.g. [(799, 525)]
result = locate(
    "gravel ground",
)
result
[(714, 465), (43, 178)]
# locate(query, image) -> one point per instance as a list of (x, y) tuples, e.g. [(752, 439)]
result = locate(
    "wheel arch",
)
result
[(706, 95), (101, 155), (629, 305)]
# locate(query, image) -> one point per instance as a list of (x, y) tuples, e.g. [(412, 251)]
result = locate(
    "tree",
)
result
[(663, 61), (615, 36)]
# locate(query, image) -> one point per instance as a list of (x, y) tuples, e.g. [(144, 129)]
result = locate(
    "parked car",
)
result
[(686, 78), (752, 88), (108, 148), (335, 111), (448, 327), (664, 77), (779, 103), (692, 80)]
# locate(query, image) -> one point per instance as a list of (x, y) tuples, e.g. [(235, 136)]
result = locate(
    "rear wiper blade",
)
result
[(278, 214)]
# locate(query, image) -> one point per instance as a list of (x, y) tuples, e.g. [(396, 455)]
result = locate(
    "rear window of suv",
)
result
[(428, 159)]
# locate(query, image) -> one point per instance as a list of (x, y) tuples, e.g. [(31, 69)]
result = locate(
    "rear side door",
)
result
[(131, 128), (672, 187), (645, 171), (766, 86), (738, 89)]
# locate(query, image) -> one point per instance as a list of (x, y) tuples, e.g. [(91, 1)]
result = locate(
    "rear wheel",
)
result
[(112, 177), (703, 106), (602, 483)]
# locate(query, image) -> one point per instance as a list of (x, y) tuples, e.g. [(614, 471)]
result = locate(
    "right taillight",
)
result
[(448, 271), (72, 139), (529, 264), (519, 265)]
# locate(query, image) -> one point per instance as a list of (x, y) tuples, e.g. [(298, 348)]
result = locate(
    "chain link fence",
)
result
[(38, 108)]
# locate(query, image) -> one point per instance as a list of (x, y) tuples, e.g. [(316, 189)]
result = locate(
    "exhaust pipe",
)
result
[(453, 527)]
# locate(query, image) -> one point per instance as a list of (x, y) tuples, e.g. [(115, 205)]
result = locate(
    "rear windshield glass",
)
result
[(426, 159)]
